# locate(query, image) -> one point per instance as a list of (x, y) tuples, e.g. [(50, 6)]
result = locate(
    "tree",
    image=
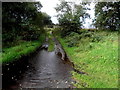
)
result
[(22, 21), (46, 19), (69, 15), (107, 15)]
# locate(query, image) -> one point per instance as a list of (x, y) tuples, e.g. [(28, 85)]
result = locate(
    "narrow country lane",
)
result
[(46, 70)]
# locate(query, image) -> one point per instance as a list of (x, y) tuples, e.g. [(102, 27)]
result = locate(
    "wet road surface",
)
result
[(46, 70)]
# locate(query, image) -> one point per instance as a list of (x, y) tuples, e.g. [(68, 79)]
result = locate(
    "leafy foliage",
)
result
[(46, 19), (22, 21), (69, 15), (73, 39), (107, 15)]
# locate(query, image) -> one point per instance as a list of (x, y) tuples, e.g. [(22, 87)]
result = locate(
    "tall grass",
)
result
[(98, 58)]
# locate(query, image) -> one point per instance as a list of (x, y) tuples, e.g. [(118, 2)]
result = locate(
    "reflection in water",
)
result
[(46, 69)]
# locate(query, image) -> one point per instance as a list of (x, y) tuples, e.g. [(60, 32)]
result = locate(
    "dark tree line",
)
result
[(22, 21)]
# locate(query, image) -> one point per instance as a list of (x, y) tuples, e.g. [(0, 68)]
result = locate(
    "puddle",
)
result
[(46, 70)]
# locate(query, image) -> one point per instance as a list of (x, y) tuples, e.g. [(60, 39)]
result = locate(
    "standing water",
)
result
[(46, 70)]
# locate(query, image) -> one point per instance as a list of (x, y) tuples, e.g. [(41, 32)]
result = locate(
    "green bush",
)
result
[(96, 38), (72, 39)]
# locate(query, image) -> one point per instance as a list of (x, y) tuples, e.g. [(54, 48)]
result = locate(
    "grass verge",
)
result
[(16, 52), (51, 45), (99, 59)]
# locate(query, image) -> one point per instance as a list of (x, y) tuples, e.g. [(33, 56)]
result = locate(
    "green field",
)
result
[(96, 54)]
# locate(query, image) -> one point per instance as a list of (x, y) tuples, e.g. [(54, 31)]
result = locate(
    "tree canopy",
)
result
[(107, 15), (22, 20), (70, 16)]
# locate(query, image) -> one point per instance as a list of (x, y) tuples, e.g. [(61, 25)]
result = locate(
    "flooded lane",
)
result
[(46, 70)]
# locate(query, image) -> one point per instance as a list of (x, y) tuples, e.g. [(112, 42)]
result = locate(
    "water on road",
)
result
[(46, 70)]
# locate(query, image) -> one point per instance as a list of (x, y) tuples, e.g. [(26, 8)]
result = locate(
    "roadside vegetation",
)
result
[(23, 29), (95, 54), (50, 38), (51, 45), (93, 51), (23, 49)]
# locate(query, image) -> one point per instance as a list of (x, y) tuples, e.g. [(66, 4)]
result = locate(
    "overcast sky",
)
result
[(48, 7)]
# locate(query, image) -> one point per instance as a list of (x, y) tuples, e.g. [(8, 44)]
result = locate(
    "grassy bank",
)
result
[(95, 53), (25, 48), (51, 43)]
